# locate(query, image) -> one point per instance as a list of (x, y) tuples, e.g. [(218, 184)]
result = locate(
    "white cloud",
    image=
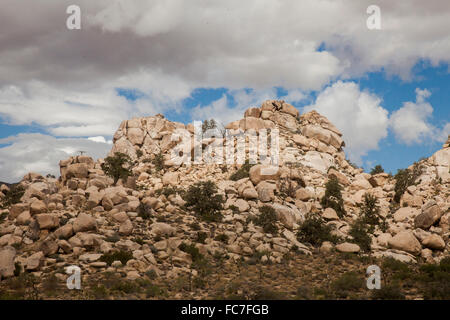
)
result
[(41, 153), (357, 114), (411, 123)]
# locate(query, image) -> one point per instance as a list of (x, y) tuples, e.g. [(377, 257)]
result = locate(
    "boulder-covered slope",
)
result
[(82, 217)]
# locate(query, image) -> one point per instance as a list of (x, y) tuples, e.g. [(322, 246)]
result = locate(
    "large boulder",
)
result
[(405, 241), (47, 221), (262, 172), (434, 242), (7, 255), (431, 213), (77, 170), (38, 206), (83, 223)]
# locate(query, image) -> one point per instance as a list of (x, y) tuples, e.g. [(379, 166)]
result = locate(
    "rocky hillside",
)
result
[(316, 203)]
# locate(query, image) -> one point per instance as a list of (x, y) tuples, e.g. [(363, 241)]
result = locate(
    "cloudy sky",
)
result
[(62, 91)]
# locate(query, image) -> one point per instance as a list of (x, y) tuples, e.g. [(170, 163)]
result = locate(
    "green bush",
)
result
[(242, 172), (377, 169), (144, 211), (13, 195), (333, 197), (118, 166), (222, 238), (405, 178), (202, 198), (360, 235), (158, 161), (208, 124), (314, 231), (389, 292), (122, 256), (267, 219), (349, 282)]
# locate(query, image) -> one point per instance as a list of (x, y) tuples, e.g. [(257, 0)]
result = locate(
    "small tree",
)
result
[(377, 169), (208, 124), (333, 197), (267, 219), (314, 231), (405, 178), (158, 161), (118, 166), (202, 197), (12, 196)]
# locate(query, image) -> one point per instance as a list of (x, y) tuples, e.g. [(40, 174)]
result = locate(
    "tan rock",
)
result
[(431, 213), (34, 262), (434, 242), (84, 222), (343, 180), (348, 247), (77, 170), (38, 206), (126, 228), (7, 255), (266, 191), (64, 232), (405, 213), (47, 221), (261, 172), (330, 214), (171, 178), (406, 241)]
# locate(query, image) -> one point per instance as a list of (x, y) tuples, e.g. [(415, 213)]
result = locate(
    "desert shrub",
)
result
[(436, 280), (139, 153), (122, 256), (13, 195), (3, 216), (113, 238), (144, 211), (377, 169), (242, 172), (314, 231), (267, 219), (264, 293), (192, 250), (201, 237), (168, 191), (405, 178), (333, 197), (158, 161), (360, 235), (222, 238), (118, 166), (389, 292), (202, 197), (370, 211), (365, 225), (208, 124), (349, 282)]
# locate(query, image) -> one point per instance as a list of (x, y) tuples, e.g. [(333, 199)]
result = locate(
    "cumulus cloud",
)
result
[(65, 80), (411, 123), (358, 114), (41, 153)]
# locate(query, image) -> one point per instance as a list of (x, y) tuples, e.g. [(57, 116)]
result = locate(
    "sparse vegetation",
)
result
[(208, 124), (12, 196), (377, 169), (333, 197), (144, 211), (405, 178), (118, 166), (158, 161), (242, 172), (267, 219), (122, 256), (314, 231)]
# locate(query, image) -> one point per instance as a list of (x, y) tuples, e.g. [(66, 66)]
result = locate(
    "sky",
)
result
[(64, 91)]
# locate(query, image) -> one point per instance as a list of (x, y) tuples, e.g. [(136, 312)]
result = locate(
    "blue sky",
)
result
[(63, 90)]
